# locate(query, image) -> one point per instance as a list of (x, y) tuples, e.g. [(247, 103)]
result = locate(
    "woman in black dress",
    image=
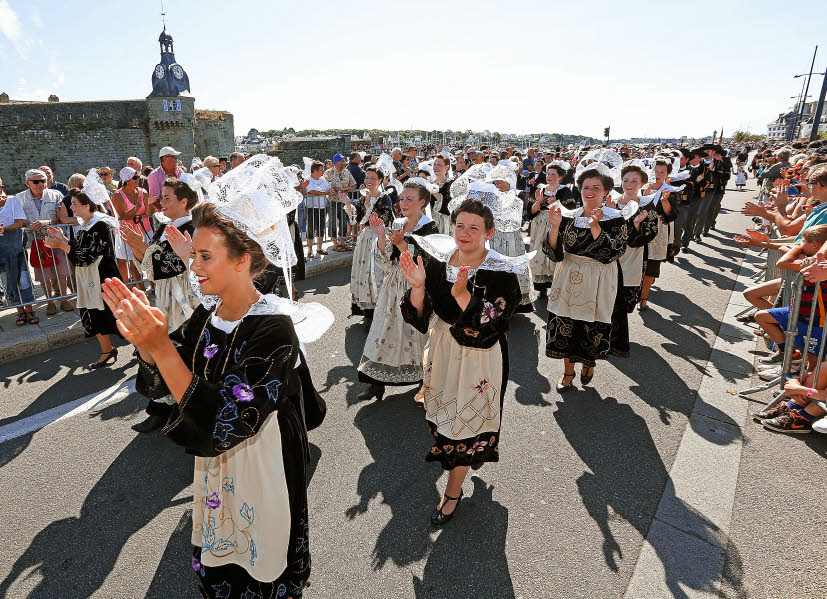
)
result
[(587, 317), (92, 252), (442, 216), (473, 292), (244, 398)]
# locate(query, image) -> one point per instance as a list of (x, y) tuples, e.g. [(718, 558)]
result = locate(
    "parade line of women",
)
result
[(440, 269)]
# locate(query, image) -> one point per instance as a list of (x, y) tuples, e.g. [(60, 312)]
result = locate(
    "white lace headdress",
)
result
[(196, 163), (507, 207), (503, 172), (610, 160), (645, 166), (257, 196), (194, 184), (94, 188), (385, 164)]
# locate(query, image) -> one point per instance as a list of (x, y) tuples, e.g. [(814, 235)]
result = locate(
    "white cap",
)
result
[(168, 151), (35, 173), (127, 173)]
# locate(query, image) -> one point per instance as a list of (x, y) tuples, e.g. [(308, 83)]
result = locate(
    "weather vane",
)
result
[(163, 16)]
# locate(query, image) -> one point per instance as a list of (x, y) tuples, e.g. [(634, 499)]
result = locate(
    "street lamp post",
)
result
[(806, 91), (819, 108)]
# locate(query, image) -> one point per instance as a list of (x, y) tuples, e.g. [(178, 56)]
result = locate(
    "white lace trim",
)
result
[(442, 247), (582, 222), (110, 221), (311, 320)]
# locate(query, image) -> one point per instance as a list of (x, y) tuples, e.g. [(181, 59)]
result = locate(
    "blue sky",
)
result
[(645, 68)]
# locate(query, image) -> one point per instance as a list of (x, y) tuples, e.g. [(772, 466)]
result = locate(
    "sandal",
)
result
[(586, 378), (21, 319), (746, 318), (440, 519), (32, 318), (561, 388)]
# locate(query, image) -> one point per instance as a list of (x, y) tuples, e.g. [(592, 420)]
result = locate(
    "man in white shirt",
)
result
[(40, 205), (13, 259)]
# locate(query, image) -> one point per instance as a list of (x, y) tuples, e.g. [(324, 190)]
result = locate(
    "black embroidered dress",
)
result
[(633, 261), (587, 317), (243, 417), (466, 358), (92, 251)]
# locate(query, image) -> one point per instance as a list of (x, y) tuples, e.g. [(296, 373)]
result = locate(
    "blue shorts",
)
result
[(782, 317)]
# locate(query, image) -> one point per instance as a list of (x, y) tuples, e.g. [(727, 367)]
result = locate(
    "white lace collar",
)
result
[(176, 223), (110, 221), (421, 223), (443, 247), (654, 197), (582, 222), (311, 320)]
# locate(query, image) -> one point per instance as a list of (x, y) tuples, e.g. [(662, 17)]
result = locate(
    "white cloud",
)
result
[(37, 21), (12, 29)]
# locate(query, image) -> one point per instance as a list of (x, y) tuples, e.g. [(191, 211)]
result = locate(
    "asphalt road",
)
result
[(97, 510)]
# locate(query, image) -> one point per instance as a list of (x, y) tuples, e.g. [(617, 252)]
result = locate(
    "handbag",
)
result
[(41, 256)]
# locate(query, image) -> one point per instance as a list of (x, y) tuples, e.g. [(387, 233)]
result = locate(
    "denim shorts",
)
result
[(782, 317)]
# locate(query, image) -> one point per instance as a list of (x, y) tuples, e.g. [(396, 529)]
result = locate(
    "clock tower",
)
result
[(168, 79)]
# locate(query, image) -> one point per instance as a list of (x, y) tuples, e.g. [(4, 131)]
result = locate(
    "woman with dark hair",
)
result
[(365, 276), (642, 226), (542, 269), (657, 198), (442, 171), (243, 395), (161, 263), (587, 318), (92, 252), (393, 349), (473, 292)]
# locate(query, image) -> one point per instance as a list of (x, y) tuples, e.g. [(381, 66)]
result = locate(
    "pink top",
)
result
[(138, 219)]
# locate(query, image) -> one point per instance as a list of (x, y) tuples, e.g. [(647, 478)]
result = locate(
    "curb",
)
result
[(25, 342)]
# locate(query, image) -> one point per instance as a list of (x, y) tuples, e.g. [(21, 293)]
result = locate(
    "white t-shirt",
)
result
[(320, 184), (11, 211)]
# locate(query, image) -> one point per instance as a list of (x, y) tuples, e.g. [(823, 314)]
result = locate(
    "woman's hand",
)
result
[(594, 219), (640, 218), (397, 238), (129, 236), (143, 326), (460, 288), (555, 217), (794, 387), (744, 240), (610, 202), (181, 242), (414, 272), (376, 225), (56, 239)]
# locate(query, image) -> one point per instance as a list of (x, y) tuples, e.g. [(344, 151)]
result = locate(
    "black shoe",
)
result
[(151, 424), (110, 355), (440, 519), (322, 253), (376, 390), (697, 239), (642, 307), (586, 378), (773, 412), (561, 388)]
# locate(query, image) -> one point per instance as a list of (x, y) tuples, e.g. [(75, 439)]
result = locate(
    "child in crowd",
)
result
[(741, 178)]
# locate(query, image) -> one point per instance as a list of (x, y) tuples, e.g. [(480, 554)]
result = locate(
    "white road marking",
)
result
[(36, 422)]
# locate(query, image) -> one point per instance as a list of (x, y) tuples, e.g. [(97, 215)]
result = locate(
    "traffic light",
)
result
[(606, 132)]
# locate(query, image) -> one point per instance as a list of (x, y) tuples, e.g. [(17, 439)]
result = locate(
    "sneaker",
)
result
[(820, 426), (770, 373), (773, 412), (790, 423)]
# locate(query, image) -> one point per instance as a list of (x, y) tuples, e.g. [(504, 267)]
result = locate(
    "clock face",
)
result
[(177, 71), (159, 71)]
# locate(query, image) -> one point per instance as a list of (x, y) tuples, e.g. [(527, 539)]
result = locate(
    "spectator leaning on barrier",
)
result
[(316, 190), (41, 207), (13, 258), (341, 181), (169, 168)]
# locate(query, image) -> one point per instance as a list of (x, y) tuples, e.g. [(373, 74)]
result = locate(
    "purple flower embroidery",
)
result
[(210, 351), (243, 392), (481, 386), (212, 501), (489, 312)]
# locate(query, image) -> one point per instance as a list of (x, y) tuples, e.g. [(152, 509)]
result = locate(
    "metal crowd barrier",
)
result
[(794, 286), (336, 223), (49, 274)]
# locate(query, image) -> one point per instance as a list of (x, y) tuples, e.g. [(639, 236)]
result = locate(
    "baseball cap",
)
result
[(167, 151), (35, 173), (337, 158)]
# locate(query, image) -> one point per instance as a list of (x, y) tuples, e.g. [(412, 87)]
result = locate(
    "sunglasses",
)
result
[(38, 182)]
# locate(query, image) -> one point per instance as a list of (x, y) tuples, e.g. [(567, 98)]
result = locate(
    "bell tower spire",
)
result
[(168, 78)]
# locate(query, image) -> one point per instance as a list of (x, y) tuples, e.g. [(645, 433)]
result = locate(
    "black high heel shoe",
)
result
[(440, 519), (561, 388), (376, 390), (110, 355), (586, 378)]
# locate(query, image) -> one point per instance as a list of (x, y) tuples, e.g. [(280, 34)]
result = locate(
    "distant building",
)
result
[(73, 137)]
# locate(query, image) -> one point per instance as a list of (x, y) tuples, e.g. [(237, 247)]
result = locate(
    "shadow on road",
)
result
[(524, 372), (468, 557), (626, 478), (72, 557)]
